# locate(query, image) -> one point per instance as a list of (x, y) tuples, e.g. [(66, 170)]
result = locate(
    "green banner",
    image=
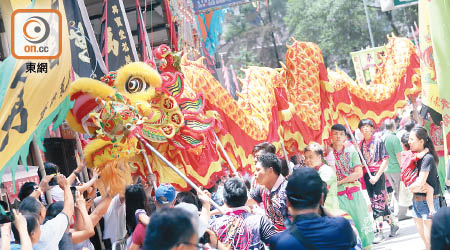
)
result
[(439, 13)]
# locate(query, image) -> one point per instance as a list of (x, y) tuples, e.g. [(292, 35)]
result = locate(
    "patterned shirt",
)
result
[(344, 161), (374, 152), (240, 229), (275, 202)]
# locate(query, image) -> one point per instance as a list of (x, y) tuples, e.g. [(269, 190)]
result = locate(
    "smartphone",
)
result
[(6, 217), (74, 193)]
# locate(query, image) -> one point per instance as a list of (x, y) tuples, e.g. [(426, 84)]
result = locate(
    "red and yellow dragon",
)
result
[(178, 111)]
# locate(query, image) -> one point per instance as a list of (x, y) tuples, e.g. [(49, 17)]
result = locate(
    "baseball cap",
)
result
[(165, 194), (304, 187)]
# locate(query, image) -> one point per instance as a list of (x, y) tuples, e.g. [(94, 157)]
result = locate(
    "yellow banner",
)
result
[(430, 91), (33, 96)]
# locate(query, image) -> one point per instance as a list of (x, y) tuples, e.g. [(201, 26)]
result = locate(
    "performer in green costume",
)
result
[(348, 167)]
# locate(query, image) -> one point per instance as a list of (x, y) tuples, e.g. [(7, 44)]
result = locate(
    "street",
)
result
[(407, 238)]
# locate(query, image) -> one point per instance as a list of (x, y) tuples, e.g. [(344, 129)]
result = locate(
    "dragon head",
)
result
[(133, 84)]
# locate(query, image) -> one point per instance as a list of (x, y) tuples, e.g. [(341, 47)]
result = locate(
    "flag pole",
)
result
[(147, 162), (37, 151), (235, 172), (285, 152), (357, 148), (177, 171), (368, 24), (85, 174)]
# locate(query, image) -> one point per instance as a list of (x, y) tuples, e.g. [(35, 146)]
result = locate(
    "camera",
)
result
[(6, 217)]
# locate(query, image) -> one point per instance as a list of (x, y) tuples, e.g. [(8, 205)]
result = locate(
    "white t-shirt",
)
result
[(115, 222), (52, 232), (56, 192)]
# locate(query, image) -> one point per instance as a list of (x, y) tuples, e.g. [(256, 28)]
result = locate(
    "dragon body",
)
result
[(178, 110)]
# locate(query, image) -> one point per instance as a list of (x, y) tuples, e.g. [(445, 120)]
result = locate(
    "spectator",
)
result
[(440, 230), (271, 190), (187, 197), (263, 148), (313, 159), (96, 215), (171, 228), (286, 167), (56, 192), (418, 142), (165, 196), (34, 190), (52, 211), (215, 196), (53, 230), (406, 128), (238, 228), (115, 223), (83, 227), (309, 230), (26, 189), (135, 202), (26, 231), (394, 149)]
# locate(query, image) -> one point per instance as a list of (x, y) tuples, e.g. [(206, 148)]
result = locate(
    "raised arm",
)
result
[(43, 186), (86, 229), (68, 198), (6, 236), (100, 210), (21, 225), (88, 184)]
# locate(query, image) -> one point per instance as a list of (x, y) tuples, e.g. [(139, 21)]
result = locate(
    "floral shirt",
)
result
[(240, 229), (374, 152), (274, 201)]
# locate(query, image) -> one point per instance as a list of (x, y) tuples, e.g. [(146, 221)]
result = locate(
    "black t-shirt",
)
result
[(427, 164)]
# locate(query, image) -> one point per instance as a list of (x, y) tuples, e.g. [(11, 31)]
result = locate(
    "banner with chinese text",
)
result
[(117, 44), (35, 95), (430, 91), (439, 11), (86, 57)]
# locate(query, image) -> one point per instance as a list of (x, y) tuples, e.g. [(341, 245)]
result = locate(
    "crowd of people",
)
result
[(333, 197)]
